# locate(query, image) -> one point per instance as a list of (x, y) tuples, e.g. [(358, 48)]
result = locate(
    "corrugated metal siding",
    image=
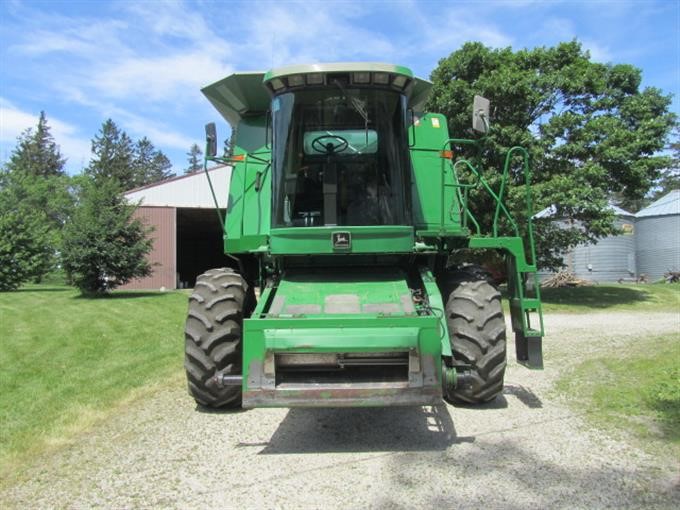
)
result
[(610, 258), (163, 256), (186, 191), (658, 245)]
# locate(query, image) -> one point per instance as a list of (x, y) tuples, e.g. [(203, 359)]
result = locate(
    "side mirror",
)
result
[(480, 114), (210, 140)]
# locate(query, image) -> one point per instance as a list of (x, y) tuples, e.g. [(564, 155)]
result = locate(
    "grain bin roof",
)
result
[(551, 212), (667, 205)]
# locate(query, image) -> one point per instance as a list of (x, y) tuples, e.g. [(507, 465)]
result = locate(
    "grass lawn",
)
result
[(612, 297), (636, 393), (66, 360)]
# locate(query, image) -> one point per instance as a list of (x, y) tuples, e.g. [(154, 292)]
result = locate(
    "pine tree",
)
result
[(26, 243), (195, 158), (113, 156), (104, 245), (36, 152), (34, 205), (150, 164)]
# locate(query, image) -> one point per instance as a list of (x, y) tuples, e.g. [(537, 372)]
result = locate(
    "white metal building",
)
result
[(187, 233)]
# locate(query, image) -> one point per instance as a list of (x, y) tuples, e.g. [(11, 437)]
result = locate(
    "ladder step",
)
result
[(527, 303), (530, 304)]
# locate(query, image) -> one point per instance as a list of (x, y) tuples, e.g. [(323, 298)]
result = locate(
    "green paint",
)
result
[(318, 240), (310, 304)]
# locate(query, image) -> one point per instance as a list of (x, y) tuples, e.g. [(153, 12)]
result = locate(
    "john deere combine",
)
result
[(345, 205)]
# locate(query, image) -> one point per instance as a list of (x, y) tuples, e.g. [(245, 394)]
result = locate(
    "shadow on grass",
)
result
[(595, 297), (43, 289), (122, 295)]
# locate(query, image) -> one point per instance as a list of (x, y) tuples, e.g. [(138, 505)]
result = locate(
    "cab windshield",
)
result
[(340, 158)]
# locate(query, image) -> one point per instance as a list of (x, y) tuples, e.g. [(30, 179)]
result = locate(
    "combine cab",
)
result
[(344, 208)]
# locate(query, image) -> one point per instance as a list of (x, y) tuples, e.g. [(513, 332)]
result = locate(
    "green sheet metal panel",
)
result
[(238, 95), (429, 135), (376, 292), (364, 239), (267, 336)]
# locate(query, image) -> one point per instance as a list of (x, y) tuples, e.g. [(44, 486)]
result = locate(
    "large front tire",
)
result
[(213, 336), (477, 335)]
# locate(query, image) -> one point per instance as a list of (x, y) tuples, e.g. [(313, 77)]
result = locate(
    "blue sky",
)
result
[(143, 62)]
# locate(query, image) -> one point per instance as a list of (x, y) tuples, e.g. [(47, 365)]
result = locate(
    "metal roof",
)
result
[(667, 205), (244, 94), (190, 190), (339, 67), (238, 96), (551, 212)]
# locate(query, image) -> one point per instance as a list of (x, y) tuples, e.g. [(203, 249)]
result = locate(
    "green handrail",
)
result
[(527, 187)]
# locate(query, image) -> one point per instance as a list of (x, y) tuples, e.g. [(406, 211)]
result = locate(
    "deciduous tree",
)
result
[(590, 130)]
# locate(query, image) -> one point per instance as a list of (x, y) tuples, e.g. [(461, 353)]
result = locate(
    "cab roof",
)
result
[(248, 94)]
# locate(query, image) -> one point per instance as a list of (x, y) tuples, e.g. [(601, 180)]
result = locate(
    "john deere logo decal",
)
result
[(341, 240)]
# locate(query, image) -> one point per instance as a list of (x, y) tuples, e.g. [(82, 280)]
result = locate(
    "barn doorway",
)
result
[(199, 244)]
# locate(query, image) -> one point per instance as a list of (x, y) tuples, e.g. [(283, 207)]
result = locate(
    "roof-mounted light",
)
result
[(361, 77), (315, 79), (277, 84), (296, 80), (381, 78), (399, 81)]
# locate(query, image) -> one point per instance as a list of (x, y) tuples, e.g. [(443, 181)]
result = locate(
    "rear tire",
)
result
[(477, 335), (213, 335)]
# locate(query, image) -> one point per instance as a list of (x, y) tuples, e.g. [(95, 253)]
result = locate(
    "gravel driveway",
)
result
[(526, 450)]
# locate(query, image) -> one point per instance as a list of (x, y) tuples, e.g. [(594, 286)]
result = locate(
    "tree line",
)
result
[(82, 224), (594, 136)]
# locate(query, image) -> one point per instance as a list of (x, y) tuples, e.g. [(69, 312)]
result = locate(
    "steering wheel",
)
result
[(330, 147)]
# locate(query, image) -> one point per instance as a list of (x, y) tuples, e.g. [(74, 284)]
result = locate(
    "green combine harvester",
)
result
[(345, 205)]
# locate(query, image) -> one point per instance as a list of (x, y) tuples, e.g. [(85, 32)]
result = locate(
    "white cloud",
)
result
[(598, 52), (157, 79), (14, 121)]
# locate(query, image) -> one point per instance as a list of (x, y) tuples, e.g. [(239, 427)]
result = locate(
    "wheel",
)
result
[(330, 147), (213, 335), (477, 335)]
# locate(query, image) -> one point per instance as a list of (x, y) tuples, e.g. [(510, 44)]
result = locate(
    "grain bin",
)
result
[(657, 240)]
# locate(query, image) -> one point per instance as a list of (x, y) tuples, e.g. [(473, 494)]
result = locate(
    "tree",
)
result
[(35, 202), (104, 245), (589, 129), (149, 164), (113, 156), (26, 248), (195, 158), (132, 164), (36, 152), (670, 177)]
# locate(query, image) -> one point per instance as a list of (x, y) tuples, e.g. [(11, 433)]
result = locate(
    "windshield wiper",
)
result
[(358, 105)]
